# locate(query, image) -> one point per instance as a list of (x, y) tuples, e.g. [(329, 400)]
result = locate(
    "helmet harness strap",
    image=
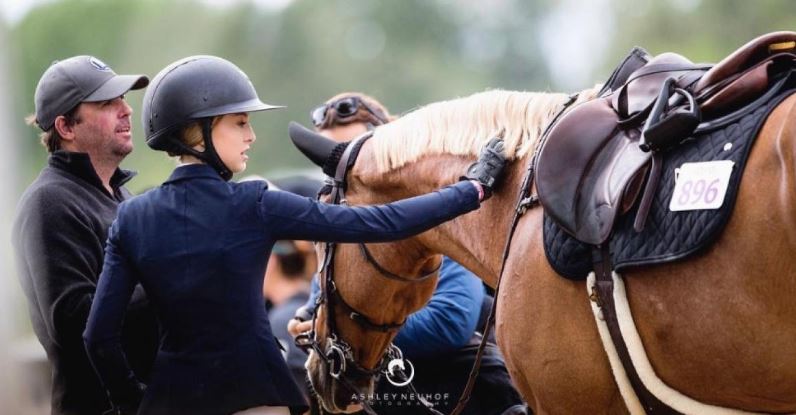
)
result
[(210, 156)]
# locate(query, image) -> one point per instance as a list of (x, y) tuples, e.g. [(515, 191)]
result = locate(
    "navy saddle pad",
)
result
[(670, 236)]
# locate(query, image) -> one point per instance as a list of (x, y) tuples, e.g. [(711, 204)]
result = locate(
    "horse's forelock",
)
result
[(461, 126)]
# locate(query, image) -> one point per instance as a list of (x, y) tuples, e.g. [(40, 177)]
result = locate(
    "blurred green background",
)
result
[(300, 52), (407, 52)]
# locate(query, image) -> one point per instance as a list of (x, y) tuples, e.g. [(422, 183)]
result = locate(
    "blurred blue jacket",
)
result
[(199, 247)]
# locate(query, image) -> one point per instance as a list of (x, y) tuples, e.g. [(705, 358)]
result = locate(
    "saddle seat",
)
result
[(591, 167)]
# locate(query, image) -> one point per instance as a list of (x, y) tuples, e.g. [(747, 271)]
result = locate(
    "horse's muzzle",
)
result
[(333, 396)]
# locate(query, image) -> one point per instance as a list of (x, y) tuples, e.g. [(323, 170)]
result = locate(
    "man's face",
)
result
[(104, 130)]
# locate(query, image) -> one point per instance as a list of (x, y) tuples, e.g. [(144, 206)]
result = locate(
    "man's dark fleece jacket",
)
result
[(59, 239)]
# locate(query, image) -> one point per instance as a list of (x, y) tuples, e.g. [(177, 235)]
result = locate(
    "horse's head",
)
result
[(372, 289), (365, 303)]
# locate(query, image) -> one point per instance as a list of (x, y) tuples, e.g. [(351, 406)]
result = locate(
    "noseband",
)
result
[(338, 354)]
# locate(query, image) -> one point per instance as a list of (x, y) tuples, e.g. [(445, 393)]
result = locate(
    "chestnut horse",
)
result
[(719, 327)]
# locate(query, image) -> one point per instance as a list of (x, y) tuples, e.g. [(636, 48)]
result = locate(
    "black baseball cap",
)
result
[(67, 83)]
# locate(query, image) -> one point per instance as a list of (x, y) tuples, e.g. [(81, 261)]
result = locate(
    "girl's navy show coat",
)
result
[(199, 246)]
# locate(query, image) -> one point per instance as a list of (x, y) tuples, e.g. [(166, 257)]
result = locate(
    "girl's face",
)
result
[(232, 138)]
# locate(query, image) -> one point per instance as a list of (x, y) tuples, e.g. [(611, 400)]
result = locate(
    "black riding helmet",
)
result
[(196, 88)]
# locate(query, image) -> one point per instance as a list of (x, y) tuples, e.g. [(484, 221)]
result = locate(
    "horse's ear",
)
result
[(316, 147)]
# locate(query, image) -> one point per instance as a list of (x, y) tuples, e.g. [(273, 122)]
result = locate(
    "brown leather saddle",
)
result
[(598, 158)]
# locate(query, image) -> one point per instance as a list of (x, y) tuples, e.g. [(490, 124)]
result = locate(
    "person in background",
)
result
[(62, 222), (196, 245), (442, 338)]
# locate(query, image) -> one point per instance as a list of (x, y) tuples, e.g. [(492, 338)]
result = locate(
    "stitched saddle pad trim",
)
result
[(572, 258), (730, 199)]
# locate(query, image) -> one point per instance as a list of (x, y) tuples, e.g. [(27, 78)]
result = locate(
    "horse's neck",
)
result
[(476, 240)]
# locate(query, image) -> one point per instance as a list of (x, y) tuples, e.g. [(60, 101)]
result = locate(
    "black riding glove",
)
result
[(488, 169)]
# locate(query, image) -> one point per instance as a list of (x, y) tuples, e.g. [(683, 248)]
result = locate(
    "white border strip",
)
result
[(625, 388), (651, 381)]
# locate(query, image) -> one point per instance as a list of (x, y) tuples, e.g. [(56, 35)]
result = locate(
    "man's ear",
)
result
[(64, 129)]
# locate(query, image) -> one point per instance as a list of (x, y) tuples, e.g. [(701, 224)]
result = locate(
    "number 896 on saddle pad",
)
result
[(701, 186)]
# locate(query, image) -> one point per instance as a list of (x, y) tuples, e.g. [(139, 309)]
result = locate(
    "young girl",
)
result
[(198, 244)]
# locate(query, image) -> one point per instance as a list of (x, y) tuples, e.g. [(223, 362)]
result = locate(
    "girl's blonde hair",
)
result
[(191, 134)]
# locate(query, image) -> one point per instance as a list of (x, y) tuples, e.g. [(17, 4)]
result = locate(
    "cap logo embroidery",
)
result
[(99, 65)]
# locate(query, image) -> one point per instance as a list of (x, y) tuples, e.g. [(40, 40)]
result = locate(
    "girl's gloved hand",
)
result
[(488, 169)]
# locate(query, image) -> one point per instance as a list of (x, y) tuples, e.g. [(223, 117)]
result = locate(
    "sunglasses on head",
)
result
[(344, 108)]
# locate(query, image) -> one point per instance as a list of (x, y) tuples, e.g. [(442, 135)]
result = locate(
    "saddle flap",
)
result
[(606, 184), (585, 167)]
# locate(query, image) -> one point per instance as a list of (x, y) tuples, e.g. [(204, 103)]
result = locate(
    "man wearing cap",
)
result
[(62, 222)]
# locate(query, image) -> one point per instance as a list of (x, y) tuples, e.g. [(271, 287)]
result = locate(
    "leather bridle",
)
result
[(338, 350), (337, 353)]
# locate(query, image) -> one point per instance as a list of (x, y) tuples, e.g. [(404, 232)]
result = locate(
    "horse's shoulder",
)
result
[(783, 116), (789, 104)]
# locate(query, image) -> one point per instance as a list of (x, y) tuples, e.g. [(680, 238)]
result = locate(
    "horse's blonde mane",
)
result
[(461, 126)]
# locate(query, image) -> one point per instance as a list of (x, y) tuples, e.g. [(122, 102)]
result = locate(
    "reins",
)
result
[(524, 201)]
